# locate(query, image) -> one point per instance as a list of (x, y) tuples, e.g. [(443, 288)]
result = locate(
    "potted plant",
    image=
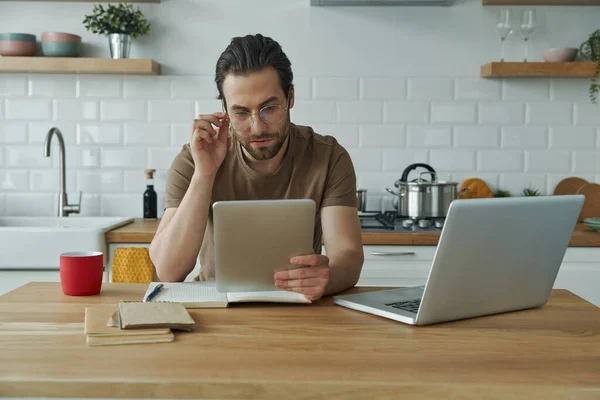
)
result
[(591, 50), (530, 192), (502, 193), (120, 23)]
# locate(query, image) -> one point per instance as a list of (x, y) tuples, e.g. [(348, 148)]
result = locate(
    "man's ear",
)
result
[(292, 92)]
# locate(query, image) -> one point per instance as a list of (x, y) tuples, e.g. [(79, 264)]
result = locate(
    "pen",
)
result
[(154, 292)]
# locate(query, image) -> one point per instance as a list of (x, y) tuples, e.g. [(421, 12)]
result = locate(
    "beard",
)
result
[(267, 151)]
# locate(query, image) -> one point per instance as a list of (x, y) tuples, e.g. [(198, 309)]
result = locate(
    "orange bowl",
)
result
[(60, 37), (17, 48)]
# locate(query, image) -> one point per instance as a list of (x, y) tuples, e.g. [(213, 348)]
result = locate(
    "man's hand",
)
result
[(208, 147), (310, 281)]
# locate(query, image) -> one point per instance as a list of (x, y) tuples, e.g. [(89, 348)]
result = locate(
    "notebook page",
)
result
[(267, 296), (187, 292)]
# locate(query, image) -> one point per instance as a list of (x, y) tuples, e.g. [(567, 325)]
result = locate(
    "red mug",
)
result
[(81, 272)]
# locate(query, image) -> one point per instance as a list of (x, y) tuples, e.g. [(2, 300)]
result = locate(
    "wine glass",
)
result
[(504, 26), (528, 27)]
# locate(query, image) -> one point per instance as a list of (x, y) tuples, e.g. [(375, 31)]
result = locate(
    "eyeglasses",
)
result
[(272, 114)]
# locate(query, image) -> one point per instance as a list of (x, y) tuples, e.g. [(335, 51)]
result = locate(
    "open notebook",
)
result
[(205, 295)]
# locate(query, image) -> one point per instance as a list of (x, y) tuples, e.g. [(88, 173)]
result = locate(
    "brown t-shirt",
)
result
[(315, 167)]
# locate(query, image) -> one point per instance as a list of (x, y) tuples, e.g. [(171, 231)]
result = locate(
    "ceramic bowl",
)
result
[(12, 48), (560, 54), (19, 37), (61, 49), (60, 37)]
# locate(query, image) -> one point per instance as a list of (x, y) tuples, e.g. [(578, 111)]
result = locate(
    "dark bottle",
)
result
[(150, 196)]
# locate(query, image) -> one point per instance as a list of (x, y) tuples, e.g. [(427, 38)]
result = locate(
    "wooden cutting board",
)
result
[(569, 186), (591, 205)]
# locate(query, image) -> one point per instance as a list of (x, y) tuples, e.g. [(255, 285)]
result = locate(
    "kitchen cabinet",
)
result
[(409, 266)]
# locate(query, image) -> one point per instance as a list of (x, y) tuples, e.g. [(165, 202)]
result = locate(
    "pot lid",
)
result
[(424, 183)]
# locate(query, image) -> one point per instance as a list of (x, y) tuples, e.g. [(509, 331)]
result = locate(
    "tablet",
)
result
[(255, 238)]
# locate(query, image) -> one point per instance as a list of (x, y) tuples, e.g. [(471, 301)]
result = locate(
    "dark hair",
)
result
[(252, 53)]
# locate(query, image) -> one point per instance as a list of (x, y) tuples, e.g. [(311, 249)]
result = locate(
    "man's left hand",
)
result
[(310, 281)]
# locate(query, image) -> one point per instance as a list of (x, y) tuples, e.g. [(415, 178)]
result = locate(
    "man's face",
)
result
[(250, 94)]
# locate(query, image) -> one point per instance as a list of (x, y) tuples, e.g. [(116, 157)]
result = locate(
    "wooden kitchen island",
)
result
[(278, 351)]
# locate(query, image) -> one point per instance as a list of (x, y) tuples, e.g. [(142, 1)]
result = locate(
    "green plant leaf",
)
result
[(121, 18)]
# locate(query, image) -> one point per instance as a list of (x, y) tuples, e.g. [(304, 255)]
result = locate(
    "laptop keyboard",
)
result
[(410, 305)]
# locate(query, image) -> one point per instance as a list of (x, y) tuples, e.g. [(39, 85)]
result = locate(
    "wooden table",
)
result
[(142, 231), (300, 351)]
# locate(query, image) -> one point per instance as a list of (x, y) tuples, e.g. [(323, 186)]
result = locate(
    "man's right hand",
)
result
[(208, 146)]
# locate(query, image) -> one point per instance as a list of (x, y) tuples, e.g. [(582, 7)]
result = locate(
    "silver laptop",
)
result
[(494, 255), (255, 238)]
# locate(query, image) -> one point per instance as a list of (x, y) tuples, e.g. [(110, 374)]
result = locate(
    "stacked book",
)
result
[(135, 322)]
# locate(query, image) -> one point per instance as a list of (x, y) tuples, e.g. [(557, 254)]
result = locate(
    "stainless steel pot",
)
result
[(420, 198)]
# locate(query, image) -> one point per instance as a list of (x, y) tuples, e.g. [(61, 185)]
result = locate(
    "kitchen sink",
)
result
[(37, 242)]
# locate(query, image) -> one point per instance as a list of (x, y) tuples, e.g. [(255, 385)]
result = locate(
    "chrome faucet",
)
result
[(64, 208)]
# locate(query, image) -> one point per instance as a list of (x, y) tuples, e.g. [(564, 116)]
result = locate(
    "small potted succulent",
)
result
[(120, 23), (530, 192), (591, 50)]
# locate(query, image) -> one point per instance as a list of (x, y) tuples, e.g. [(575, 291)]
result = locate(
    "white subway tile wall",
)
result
[(513, 134), (476, 136), (430, 89), (567, 89), (14, 181), (48, 180), (587, 114), (429, 136), (382, 88), (383, 136), (147, 87), (335, 88), (99, 86), (193, 87), (28, 109), (550, 113), (346, 134), (98, 133), (453, 113), (477, 89), (75, 110), (53, 85), (526, 90), (156, 134), (416, 112), (525, 137), (572, 137), (13, 85), (500, 160), (507, 113), (13, 133), (357, 112)]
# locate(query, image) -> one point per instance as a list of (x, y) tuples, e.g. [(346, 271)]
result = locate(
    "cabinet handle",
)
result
[(393, 253)]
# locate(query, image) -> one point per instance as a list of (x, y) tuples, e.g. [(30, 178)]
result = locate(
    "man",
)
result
[(252, 151)]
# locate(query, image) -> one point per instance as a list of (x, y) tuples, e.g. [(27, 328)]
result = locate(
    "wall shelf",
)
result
[(541, 2), (58, 65), (538, 69), (88, 1)]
